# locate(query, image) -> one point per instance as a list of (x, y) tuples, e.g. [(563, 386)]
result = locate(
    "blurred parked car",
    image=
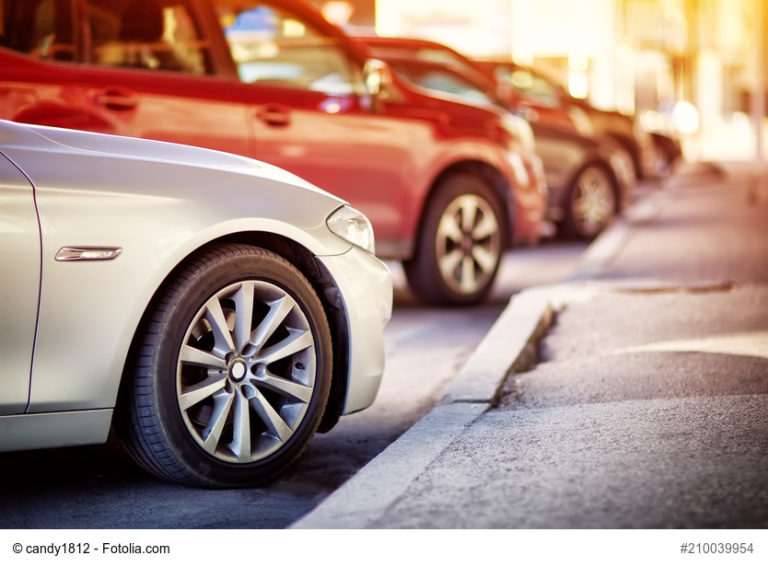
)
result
[(274, 80), (542, 94), (586, 183), (540, 99), (533, 97), (219, 309)]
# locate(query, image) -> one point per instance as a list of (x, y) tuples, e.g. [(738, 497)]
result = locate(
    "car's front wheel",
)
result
[(460, 244), (231, 371)]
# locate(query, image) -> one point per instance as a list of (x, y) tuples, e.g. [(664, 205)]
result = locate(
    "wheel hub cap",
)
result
[(237, 370)]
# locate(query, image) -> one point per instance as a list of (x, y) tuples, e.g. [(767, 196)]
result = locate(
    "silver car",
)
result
[(217, 311)]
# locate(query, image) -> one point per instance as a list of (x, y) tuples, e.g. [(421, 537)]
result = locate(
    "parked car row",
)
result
[(587, 178), (258, 315), (541, 99)]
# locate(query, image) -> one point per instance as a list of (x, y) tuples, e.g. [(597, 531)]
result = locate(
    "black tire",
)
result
[(592, 202), (231, 371), (460, 244)]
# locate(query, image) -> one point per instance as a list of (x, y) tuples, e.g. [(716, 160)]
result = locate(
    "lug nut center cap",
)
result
[(237, 370)]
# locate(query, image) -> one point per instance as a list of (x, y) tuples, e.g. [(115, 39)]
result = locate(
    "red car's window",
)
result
[(40, 28), (272, 46), (156, 35)]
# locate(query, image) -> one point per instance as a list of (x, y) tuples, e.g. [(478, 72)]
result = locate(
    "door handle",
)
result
[(274, 115), (116, 99)]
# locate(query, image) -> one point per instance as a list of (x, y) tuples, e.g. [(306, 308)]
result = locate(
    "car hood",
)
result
[(23, 136)]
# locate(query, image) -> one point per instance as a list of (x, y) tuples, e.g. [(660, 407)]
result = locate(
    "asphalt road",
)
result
[(100, 487), (647, 408)]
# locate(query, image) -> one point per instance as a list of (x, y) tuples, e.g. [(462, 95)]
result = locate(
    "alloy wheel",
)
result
[(593, 203), (246, 371), (468, 243)]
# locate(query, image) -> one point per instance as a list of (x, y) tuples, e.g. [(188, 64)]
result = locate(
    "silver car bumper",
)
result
[(365, 283)]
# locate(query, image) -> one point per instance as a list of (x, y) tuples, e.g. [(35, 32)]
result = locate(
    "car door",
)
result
[(149, 71), (38, 83), (140, 68), (19, 286), (309, 115)]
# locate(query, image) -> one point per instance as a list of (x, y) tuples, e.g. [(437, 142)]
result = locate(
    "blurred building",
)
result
[(687, 64)]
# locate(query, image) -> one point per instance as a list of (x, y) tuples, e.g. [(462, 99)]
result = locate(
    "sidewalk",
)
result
[(633, 396)]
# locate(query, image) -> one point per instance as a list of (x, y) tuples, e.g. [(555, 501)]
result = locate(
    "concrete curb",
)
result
[(509, 346)]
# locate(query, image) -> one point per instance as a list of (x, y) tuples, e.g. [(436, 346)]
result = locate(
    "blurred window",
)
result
[(272, 46), (40, 28), (530, 85), (429, 54), (444, 80), (157, 35)]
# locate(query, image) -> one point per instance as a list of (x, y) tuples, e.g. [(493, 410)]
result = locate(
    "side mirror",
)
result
[(377, 76)]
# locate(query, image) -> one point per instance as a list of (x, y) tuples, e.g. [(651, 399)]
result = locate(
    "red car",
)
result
[(447, 186)]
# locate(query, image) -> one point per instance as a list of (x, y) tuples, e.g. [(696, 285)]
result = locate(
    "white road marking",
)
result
[(742, 344)]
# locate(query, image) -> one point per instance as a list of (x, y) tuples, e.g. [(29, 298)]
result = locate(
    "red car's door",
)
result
[(309, 115), (150, 73), (131, 67)]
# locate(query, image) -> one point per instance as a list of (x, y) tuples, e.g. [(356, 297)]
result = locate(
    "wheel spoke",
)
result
[(197, 357), (468, 213), (199, 392), (485, 228), (450, 262), (296, 341), (449, 229), (241, 439), (218, 321), (272, 420), (278, 311), (212, 433), (468, 280), (297, 392), (243, 314), (485, 258)]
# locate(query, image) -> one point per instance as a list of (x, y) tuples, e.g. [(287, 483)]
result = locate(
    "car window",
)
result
[(439, 79), (530, 85), (158, 35), (40, 28), (272, 46), (428, 54)]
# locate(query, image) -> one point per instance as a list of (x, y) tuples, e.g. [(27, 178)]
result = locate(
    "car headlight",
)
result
[(353, 226)]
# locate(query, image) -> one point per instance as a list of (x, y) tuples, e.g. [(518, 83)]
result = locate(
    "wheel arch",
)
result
[(320, 280)]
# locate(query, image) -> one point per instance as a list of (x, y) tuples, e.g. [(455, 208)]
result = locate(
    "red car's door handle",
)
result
[(274, 115), (116, 99)]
